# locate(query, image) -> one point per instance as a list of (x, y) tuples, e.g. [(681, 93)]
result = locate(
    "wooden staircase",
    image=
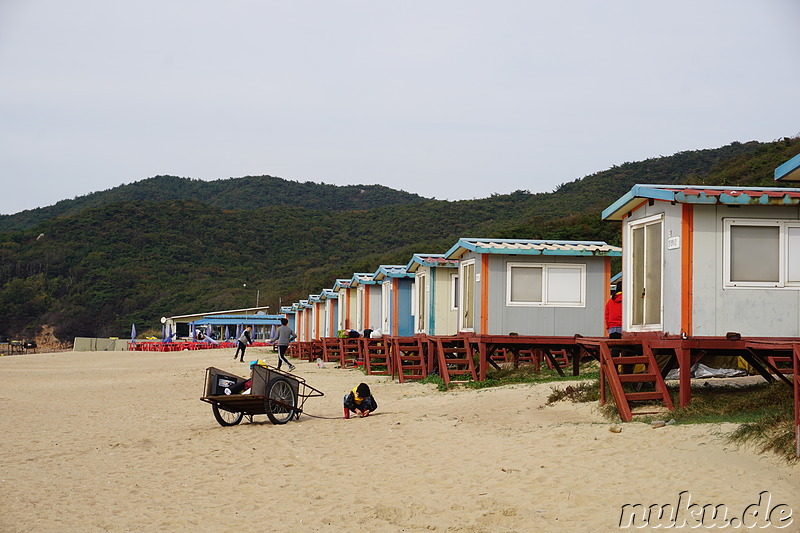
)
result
[(349, 352), (331, 350), (618, 369), (408, 358), (454, 355), (377, 356)]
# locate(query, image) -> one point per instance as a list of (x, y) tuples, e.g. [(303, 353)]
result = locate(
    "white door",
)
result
[(643, 294)]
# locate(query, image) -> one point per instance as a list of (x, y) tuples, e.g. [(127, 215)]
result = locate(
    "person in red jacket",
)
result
[(614, 316)]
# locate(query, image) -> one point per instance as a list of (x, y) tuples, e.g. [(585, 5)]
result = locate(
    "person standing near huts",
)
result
[(614, 316), (242, 342), (282, 337)]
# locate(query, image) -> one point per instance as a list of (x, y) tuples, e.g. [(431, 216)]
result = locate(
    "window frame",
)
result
[(783, 254), (546, 267), (466, 291), (454, 291)]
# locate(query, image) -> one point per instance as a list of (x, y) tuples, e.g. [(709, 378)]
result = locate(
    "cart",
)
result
[(279, 395)]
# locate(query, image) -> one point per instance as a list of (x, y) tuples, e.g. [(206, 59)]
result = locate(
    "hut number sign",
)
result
[(673, 243)]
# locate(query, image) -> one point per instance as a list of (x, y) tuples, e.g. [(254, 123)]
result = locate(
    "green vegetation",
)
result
[(515, 376), (765, 412), (164, 246)]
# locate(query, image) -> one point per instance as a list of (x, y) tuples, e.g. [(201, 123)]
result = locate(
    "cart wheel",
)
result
[(280, 390), (226, 418)]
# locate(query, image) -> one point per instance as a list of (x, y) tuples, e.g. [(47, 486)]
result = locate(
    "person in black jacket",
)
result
[(359, 400), (243, 341)]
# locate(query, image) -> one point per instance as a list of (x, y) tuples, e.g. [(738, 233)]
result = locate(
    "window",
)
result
[(554, 285), (453, 292), (466, 300), (421, 300), (386, 295), (762, 253)]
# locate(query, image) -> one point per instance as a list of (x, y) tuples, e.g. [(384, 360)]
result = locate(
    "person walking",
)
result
[(282, 337), (242, 342)]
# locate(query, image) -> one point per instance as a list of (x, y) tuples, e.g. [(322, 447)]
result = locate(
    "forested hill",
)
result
[(95, 270), (250, 192)]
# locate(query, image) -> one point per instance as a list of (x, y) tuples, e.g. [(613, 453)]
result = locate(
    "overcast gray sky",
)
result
[(450, 99)]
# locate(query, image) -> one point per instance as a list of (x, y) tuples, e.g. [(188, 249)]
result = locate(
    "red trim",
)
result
[(687, 273), (484, 294), (395, 305)]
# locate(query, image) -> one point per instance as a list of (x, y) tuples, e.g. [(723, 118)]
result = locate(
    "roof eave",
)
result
[(632, 199), (789, 171)]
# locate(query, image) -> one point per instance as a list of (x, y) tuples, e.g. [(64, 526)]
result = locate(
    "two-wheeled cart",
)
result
[(277, 394)]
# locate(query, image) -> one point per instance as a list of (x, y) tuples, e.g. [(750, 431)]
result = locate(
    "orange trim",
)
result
[(624, 258), (484, 294), (395, 305), (687, 254), (318, 326), (607, 272)]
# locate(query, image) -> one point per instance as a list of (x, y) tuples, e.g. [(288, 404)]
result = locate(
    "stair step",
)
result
[(638, 396), (631, 360), (637, 378)]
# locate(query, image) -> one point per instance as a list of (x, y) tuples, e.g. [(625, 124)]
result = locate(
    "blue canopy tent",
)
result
[(261, 323)]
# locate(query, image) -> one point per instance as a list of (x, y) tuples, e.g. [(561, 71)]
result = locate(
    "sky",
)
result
[(451, 99)]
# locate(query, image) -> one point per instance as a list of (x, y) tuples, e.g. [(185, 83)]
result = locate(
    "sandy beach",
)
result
[(119, 441)]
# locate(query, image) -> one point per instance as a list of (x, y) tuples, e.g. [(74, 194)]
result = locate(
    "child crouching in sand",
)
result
[(359, 400)]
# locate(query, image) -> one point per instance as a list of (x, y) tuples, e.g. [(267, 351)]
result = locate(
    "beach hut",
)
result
[(436, 289), (303, 313), (706, 261), (344, 305), (789, 172), (289, 313), (532, 287), (397, 285), (317, 316), (367, 301), (708, 272), (329, 303)]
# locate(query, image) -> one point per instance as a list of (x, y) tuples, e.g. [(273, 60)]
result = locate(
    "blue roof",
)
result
[(341, 284), (391, 271), (430, 260), (254, 320), (327, 294), (363, 278), (789, 171), (287, 310), (532, 247), (701, 194)]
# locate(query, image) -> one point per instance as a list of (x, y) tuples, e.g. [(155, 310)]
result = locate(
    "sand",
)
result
[(119, 441)]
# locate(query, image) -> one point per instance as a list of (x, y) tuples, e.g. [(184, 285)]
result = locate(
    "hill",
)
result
[(250, 192), (92, 271)]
